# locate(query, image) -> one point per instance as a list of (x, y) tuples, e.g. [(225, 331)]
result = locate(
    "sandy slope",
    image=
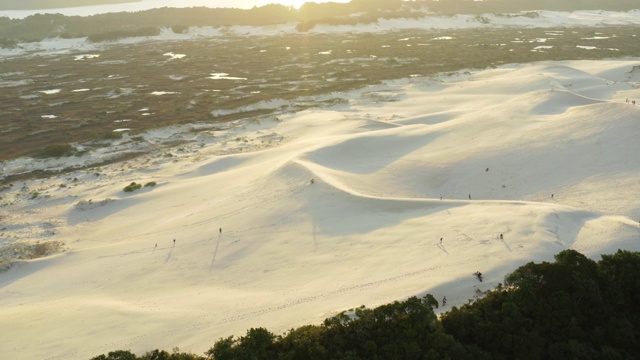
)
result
[(365, 232)]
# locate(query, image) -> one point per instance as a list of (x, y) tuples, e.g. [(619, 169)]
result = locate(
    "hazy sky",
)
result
[(150, 4)]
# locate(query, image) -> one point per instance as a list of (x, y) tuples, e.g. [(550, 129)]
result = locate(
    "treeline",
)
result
[(54, 4), (572, 308), (40, 26)]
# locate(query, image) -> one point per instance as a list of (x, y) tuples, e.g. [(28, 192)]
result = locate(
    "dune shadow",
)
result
[(21, 268), (428, 119), (220, 165), (338, 213), (376, 151), (97, 212), (335, 210), (560, 101)]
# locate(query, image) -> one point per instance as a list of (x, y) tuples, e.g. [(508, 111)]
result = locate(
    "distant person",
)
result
[(501, 238), (552, 196), (174, 242), (440, 241), (444, 301), (478, 275), (312, 181), (487, 170), (469, 196), (220, 230), (156, 244)]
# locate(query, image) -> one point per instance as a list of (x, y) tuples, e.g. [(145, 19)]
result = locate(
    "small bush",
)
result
[(180, 29), (150, 183), (8, 43), (132, 187)]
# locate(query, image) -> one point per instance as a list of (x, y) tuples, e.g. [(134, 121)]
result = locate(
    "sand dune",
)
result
[(464, 158)]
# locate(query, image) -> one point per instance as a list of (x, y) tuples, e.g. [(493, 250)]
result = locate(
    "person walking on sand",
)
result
[(469, 196), (444, 301), (440, 241), (174, 242), (501, 238), (220, 230)]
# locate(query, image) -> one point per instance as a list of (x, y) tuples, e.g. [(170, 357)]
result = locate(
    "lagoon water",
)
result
[(152, 4)]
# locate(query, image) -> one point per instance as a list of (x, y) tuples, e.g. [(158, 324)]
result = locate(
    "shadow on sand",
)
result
[(215, 253), (169, 255), (506, 245)]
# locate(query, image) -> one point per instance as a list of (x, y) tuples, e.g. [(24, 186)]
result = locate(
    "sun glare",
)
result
[(298, 3)]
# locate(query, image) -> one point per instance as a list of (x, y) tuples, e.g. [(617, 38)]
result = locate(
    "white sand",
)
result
[(365, 232)]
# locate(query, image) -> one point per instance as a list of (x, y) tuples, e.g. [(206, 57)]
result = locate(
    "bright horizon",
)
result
[(151, 4)]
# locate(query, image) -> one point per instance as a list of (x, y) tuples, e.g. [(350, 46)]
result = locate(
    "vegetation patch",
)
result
[(11, 253), (57, 151), (90, 204), (132, 187)]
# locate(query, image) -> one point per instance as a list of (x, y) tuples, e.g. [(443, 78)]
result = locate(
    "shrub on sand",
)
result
[(132, 187)]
